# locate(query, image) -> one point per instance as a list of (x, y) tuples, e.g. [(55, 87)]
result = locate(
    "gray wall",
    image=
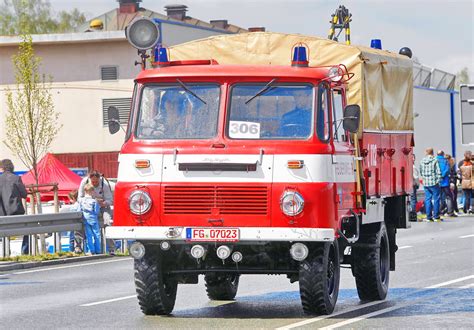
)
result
[(432, 109)]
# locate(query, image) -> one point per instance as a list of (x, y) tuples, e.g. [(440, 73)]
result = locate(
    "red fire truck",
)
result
[(249, 154)]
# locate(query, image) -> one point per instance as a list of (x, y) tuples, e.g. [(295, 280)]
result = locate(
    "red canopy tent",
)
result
[(51, 170)]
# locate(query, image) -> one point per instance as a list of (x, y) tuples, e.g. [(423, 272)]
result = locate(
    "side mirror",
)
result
[(351, 118), (113, 119)]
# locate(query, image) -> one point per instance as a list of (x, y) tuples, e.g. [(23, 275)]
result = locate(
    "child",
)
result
[(91, 209), (76, 238)]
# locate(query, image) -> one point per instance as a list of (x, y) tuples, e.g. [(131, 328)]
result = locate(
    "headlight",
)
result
[(291, 203), (139, 202)]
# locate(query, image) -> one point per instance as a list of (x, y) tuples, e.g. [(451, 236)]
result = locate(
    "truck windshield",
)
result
[(170, 112), (284, 111)]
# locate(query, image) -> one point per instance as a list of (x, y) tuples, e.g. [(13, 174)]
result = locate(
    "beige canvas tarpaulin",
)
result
[(382, 84)]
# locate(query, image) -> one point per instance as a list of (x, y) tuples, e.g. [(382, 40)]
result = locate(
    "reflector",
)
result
[(142, 33)]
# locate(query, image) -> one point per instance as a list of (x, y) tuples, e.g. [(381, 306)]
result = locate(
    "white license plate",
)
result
[(213, 234)]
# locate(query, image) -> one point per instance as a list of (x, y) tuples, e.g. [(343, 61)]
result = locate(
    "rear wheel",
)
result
[(221, 286), (371, 265), (319, 279), (156, 291)]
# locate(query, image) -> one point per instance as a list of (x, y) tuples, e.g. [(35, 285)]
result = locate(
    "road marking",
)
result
[(466, 236), (108, 301), (319, 318), (386, 310), (64, 267), (404, 247)]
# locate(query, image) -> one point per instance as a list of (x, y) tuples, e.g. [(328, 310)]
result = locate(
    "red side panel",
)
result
[(388, 163)]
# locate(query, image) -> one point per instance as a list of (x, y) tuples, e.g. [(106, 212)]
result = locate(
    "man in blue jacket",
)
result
[(446, 199)]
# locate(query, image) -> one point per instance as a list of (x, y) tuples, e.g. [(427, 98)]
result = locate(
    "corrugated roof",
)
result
[(116, 21)]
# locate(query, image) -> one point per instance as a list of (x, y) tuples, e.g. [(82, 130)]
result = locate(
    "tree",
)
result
[(31, 122), (462, 77), (35, 17)]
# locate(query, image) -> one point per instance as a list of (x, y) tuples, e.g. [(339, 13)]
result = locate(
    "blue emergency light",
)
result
[(300, 58), (161, 56), (376, 44)]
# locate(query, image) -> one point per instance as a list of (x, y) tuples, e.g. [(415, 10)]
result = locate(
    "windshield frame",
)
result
[(138, 108), (262, 84)]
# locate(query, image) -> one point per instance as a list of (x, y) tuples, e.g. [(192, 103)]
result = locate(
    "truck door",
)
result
[(343, 160)]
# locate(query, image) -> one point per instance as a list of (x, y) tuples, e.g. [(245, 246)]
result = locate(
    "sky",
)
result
[(440, 33)]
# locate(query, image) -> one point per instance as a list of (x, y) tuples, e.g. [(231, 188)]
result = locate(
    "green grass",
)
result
[(42, 257), (53, 256)]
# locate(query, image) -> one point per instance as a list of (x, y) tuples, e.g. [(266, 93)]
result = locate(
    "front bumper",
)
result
[(247, 234)]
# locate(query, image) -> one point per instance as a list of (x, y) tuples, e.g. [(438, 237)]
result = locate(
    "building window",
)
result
[(467, 113), (109, 72), (122, 104)]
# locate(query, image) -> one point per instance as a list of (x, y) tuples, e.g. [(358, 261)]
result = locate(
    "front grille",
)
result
[(210, 199)]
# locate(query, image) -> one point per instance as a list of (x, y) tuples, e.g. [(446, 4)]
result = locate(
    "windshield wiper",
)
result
[(186, 88), (262, 91)]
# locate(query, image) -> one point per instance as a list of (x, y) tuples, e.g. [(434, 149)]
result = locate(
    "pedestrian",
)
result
[(446, 202), (90, 213), (416, 185), (103, 194), (76, 237), (453, 183), (431, 175), (467, 182), (12, 193)]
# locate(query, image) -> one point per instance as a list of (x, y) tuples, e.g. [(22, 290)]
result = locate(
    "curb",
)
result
[(12, 265)]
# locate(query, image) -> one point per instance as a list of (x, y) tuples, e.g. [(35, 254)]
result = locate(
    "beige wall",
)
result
[(80, 108), (77, 89)]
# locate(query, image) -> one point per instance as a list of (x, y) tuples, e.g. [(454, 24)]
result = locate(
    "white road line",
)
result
[(466, 236), (64, 267), (108, 301), (451, 282), (386, 310), (404, 247), (316, 319)]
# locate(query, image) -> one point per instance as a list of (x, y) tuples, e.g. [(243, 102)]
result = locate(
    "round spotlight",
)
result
[(223, 252), (142, 33), (335, 74), (299, 251), (165, 246), (237, 256), (198, 251), (137, 250)]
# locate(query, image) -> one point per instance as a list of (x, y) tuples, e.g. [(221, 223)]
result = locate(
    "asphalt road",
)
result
[(433, 287)]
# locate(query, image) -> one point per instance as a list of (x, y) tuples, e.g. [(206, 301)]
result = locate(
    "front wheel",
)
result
[(221, 287), (319, 279), (156, 291), (371, 265)]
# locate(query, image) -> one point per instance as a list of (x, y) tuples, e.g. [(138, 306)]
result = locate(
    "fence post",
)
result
[(57, 236), (6, 247), (32, 242)]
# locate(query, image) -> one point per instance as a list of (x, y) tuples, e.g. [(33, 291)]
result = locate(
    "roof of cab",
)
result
[(256, 71)]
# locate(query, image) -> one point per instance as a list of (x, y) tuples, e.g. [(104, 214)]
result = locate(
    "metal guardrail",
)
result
[(40, 223), (18, 225)]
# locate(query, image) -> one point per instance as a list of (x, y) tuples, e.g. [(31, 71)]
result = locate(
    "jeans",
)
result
[(413, 199), (432, 201), (467, 199), (446, 199), (25, 245), (93, 237)]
